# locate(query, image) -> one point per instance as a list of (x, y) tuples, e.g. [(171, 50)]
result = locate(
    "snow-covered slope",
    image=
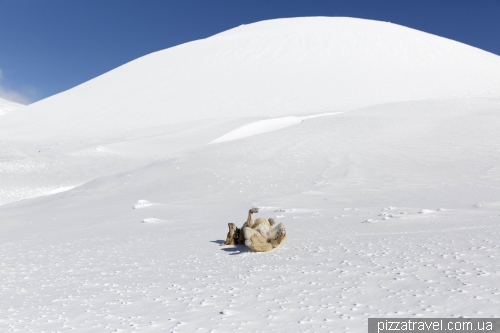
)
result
[(8, 106), (391, 209), (266, 69)]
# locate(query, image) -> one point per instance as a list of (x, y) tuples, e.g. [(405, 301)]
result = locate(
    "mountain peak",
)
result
[(293, 66)]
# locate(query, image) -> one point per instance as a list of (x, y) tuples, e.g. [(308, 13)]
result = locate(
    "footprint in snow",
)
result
[(285, 210)]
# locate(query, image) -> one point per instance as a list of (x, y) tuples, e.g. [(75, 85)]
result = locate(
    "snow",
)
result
[(263, 126), (276, 68), (8, 106), (391, 206)]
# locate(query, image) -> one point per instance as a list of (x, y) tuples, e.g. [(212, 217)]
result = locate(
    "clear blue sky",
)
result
[(48, 46)]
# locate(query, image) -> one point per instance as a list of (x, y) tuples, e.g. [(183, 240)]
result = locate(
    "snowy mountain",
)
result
[(375, 144), (267, 69), (8, 106)]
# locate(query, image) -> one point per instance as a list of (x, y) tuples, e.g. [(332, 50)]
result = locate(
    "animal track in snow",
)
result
[(386, 215)]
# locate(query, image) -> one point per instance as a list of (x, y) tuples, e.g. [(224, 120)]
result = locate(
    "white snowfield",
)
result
[(8, 106), (391, 198)]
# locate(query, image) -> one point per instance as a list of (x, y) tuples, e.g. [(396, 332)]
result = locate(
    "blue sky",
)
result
[(48, 46)]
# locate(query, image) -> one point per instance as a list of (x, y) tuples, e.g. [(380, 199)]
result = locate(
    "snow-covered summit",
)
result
[(269, 68), (8, 106)]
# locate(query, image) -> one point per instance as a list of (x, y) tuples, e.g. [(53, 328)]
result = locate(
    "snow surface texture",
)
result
[(8, 106), (391, 210)]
